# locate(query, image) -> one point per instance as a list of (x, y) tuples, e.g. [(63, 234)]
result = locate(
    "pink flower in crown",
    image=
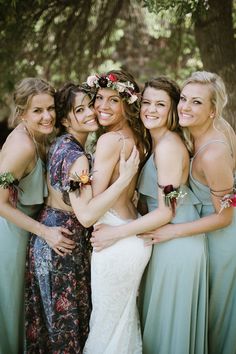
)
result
[(112, 77), (120, 86), (91, 80)]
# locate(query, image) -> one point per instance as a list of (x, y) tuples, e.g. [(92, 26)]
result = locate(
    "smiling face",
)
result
[(109, 108), (195, 108), (155, 108), (82, 118), (40, 116)]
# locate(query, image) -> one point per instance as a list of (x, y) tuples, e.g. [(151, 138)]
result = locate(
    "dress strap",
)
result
[(37, 155), (208, 143)]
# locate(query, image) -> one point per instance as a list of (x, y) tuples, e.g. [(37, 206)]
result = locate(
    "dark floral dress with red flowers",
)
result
[(58, 294)]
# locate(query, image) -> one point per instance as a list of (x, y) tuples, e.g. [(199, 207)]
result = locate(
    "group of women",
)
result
[(159, 193)]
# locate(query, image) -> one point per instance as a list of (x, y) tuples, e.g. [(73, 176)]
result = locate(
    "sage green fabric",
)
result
[(222, 278), (13, 241), (173, 300)]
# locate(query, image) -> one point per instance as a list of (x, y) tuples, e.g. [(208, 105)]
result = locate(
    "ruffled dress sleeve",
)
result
[(62, 154)]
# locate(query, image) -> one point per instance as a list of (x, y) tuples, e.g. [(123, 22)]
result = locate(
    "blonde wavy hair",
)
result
[(24, 91), (219, 100)]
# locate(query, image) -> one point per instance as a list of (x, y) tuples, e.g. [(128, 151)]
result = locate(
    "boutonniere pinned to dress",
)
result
[(8, 181), (80, 181), (171, 195)]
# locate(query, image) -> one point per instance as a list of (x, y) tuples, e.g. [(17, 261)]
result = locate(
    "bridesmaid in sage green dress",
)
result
[(173, 294), (22, 192), (212, 179)]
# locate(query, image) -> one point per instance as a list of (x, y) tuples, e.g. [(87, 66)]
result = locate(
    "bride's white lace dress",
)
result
[(116, 274)]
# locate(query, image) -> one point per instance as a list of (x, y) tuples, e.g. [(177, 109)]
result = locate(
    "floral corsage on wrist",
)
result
[(171, 195), (227, 201), (125, 89), (77, 182), (8, 181)]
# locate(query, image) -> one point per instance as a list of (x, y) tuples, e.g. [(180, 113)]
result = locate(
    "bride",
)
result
[(116, 270)]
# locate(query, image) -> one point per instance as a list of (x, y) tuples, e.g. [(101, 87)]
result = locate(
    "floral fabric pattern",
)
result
[(58, 294)]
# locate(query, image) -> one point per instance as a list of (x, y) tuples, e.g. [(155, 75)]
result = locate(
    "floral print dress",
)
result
[(58, 295)]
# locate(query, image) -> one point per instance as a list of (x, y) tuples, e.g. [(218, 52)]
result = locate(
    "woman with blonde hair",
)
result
[(116, 271), (212, 179), (22, 192)]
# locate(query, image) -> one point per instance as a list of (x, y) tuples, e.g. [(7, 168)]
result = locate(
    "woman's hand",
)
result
[(102, 237), (162, 234), (128, 168), (54, 236)]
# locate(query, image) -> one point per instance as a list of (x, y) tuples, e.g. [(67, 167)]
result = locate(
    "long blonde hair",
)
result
[(219, 100)]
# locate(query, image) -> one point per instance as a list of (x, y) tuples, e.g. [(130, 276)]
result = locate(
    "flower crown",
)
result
[(126, 89)]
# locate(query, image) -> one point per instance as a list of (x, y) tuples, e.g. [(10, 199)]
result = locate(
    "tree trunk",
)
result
[(215, 39)]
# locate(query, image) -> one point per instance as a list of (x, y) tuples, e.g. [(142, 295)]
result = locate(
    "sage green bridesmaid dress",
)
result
[(13, 244), (222, 274), (173, 295)]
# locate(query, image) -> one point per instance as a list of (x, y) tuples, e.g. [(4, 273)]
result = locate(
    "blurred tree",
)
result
[(157, 44), (57, 39), (214, 27), (66, 39)]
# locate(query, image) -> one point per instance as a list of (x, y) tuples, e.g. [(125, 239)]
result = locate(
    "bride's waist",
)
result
[(125, 210), (113, 217)]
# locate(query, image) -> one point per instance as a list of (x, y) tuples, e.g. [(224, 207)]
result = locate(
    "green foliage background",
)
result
[(66, 40)]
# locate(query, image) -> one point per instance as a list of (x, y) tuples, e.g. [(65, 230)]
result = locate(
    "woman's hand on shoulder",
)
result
[(128, 168), (106, 158)]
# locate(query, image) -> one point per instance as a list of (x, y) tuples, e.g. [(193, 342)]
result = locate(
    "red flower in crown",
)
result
[(112, 77)]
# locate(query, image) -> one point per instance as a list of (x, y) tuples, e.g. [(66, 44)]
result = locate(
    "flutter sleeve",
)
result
[(63, 153)]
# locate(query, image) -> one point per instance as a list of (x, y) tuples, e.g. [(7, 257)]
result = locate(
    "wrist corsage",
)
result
[(171, 195), (227, 201), (8, 181), (80, 181)]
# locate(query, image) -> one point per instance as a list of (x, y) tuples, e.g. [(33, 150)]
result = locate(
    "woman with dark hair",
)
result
[(58, 301), (116, 271), (22, 192), (174, 289)]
